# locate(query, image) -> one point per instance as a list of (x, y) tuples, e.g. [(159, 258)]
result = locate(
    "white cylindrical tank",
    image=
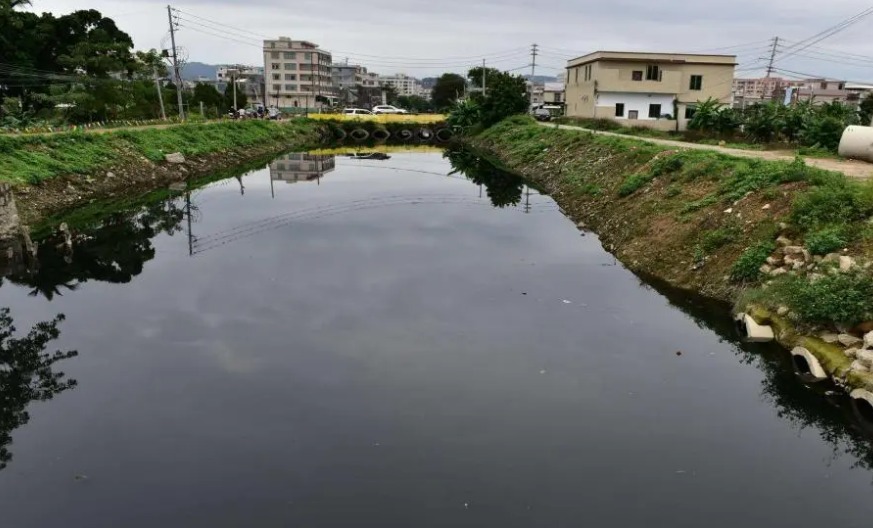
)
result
[(857, 143)]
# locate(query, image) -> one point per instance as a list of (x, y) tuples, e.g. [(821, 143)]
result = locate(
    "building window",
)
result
[(588, 72), (654, 111), (307, 56), (290, 77), (274, 54), (290, 87), (277, 76), (696, 82), (824, 86), (289, 55), (689, 112), (619, 110), (277, 87), (275, 66), (290, 66), (637, 75), (577, 75), (842, 86), (653, 72)]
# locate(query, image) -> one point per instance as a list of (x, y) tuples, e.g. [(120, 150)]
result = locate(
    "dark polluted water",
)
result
[(368, 340)]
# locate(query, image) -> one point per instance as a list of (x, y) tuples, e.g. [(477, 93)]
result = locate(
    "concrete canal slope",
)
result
[(790, 243), (51, 174)]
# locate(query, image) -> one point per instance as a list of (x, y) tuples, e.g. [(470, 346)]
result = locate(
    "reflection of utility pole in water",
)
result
[(526, 199), (242, 188), (188, 214), (272, 191)]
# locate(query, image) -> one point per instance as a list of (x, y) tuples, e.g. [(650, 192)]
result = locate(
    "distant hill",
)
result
[(194, 70)]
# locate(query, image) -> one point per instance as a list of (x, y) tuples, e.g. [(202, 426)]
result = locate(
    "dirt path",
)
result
[(851, 168)]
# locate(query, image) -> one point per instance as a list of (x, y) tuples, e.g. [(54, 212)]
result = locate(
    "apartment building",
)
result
[(249, 78), (354, 84), (293, 168), (296, 73), (402, 83), (822, 91), (656, 90), (750, 91)]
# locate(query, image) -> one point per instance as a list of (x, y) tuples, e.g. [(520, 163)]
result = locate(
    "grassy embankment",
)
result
[(55, 175), (38, 158), (709, 222)]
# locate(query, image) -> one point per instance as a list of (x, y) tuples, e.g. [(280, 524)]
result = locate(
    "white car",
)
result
[(388, 109), (356, 111)]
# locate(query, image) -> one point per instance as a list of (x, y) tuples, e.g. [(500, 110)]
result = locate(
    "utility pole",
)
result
[(160, 95), (233, 80), (178, 76), (772, 56), (483, 79), (533, 68)]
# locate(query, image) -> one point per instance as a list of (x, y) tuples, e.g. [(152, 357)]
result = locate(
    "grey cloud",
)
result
[(388, 29)]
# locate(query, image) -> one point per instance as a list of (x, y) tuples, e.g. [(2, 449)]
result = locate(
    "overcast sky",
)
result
[(427, 38)]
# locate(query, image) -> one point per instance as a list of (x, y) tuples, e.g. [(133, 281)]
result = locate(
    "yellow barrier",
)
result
[(384, 149), (419, 119)]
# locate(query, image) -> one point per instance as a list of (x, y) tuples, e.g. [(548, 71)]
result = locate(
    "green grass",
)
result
[(32, 159), (826, 240), (717, 238), (845, 298), (747, 267)]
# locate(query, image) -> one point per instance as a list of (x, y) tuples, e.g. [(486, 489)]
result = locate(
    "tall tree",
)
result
[(866, 109), (505, 96), (448, 89)]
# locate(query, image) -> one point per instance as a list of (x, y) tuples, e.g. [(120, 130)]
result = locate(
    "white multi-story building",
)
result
[(402, 83), (296, 73)]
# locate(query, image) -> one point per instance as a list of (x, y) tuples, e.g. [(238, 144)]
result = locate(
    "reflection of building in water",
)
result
[(293, 168)]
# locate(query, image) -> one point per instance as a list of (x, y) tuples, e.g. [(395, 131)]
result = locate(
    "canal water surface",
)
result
[(375, 341)]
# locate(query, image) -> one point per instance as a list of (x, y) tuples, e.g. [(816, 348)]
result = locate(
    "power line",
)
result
[(827, 33)]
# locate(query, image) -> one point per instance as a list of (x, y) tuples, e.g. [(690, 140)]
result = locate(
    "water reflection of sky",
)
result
[(383, 346)]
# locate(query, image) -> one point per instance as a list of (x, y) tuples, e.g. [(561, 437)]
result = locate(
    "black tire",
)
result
[(340, 134), (380, 134), (425, 134), (359, 134), (405, 135), (443, 135)]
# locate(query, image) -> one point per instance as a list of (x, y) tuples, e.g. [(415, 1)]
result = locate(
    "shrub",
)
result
[(835, 201), (712, 240), (666, 165), (633, 183), (747, 268), (826, 240), (841, 298)]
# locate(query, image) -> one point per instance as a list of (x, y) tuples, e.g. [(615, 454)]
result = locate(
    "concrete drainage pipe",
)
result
[(443, 135), (359, 134), (808, 365), (857, 143), (425, 134), (753, 332), (380, 134), (862, 402)]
